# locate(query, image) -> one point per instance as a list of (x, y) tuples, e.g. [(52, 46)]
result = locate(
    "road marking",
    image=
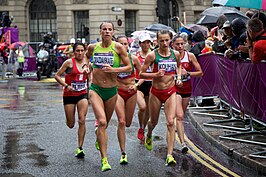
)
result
[(49, 80), (198, 154)]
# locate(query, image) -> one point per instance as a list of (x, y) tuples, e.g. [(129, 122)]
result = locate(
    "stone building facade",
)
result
[(81, 18)]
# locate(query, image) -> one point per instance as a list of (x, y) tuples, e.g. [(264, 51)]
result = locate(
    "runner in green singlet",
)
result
[(106, 58)]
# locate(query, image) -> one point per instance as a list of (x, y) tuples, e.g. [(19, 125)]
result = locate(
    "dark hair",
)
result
[(255, 25), (121, 36), (77, 44), (262, 17), (164, 32), (107, 22), (176, 37)]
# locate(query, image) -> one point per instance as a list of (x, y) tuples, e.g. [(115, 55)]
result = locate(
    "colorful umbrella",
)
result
[(16, 45), (195, 27), (253, 4)]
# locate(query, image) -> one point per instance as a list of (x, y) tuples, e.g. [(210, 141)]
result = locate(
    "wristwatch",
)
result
[(66, 86)]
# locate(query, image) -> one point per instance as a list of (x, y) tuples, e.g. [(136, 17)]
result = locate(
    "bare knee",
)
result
[(142, 108), (170, 123), (128, 124), (122, 123), (180, 116), (70, 124), (81, 122), (102, 124)]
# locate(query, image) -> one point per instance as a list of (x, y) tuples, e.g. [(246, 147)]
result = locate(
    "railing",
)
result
[(239, 83)]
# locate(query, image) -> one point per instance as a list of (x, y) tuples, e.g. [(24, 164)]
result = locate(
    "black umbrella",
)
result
[(210, 15), (158, 27)]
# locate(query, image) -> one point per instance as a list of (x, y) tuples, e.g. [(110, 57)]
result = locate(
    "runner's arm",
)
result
[(196, 65)]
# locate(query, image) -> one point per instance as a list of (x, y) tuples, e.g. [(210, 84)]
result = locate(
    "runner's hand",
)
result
[(161, 72), (107, 68), (179, 83), (132, 88)]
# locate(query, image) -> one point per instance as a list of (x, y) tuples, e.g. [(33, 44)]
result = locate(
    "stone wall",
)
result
[(99, 11)]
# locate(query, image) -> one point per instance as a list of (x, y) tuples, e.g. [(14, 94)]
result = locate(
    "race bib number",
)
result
[(103, 58), (79, 86), (168, 65)]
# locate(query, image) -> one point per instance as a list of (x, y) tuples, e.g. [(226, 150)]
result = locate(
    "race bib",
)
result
[(79, 86), (168, 65), (103, 58)]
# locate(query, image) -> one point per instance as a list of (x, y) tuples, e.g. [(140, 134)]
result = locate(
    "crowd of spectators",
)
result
[(236, 39)]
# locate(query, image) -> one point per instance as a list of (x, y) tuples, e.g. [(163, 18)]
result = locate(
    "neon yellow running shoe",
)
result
[(148, 143), (170, 160), (80, 153), (123, 160), (105, 164)]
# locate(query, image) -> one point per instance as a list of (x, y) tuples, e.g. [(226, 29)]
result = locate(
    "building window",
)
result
[(81, 20), (130, 22), (3, 2), (42, 19), (131, 1)]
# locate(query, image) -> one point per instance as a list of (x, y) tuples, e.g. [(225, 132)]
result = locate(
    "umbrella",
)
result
[(253, 4), (158, 27), (207, 20), (16, 45), (195, 27), (210, 15), (135, 35)]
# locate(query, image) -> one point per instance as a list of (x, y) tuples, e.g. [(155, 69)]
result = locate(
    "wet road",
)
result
[(34, 141)]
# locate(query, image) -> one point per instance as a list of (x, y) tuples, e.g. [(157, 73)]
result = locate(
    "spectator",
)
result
[(42, 52), (239, 38), (256, 40), (4, 55), (69, 50), (199, 40), (262, 18), (239, 29), (228, 33), (20, 60), (13, 57)]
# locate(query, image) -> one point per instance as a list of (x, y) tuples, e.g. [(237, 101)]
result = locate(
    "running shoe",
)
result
[(80, 153), (170, 160), (105, 164), (141, 135), (148, 143), (184, 148), (123, 159)]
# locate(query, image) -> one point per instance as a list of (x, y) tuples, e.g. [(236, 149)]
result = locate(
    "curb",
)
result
[(243, 159)]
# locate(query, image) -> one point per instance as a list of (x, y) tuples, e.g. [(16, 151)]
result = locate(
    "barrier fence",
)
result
[(242, 84)]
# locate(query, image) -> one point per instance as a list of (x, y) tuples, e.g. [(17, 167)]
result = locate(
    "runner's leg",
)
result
[(170, 112), (82, 108)]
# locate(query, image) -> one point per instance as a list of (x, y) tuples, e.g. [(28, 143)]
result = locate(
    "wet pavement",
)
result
[(233, 136), (34, 141)]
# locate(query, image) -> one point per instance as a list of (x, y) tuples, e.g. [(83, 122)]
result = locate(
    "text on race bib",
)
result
[(103, 58), (168, 65), (79, 86)]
